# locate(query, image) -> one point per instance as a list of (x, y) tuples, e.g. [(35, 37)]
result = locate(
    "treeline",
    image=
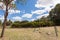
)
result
[(37, 23), (42, 22)]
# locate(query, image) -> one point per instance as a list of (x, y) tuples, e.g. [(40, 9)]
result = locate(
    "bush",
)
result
[(35, 24), (22, 25), (15, 25), (25, 25), (9, 23)]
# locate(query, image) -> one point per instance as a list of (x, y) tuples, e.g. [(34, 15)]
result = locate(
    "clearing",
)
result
[(44, 33)]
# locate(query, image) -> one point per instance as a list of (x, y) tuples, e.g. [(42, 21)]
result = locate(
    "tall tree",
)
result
[(8, 4), (55, 16)]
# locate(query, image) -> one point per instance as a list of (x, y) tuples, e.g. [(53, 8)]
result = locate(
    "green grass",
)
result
[(30, 34)]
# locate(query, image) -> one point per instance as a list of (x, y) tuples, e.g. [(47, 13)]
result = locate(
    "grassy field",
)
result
[(46, 33)]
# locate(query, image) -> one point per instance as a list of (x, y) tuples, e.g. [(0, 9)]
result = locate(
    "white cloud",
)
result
[(47, 9), (1, 17), (32, 19), (45, 15), (27, 15), (38, 12), (46, 4), (11, 11), (56, 1), (43, 3), (17, 18), (14, 0)]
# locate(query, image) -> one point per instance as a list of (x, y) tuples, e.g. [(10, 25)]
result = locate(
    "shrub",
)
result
[(15, 25)]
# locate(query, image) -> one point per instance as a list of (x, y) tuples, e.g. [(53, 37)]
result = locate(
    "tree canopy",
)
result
[(55, 14)]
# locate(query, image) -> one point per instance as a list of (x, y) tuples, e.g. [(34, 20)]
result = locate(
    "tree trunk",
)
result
[(56, 31), (4, 23)]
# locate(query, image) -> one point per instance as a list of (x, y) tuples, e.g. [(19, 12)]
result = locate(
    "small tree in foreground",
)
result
[(8, 4)]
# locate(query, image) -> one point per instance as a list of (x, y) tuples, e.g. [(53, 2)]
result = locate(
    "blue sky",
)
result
[(32, 10)]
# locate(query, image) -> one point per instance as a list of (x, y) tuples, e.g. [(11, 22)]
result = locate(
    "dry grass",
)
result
[(46, 33)]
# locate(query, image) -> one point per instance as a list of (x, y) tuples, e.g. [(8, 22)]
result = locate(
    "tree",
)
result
[(8, 5), (0, 23), (55, 16)]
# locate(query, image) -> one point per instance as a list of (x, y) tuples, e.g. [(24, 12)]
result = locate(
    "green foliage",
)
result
[(24, 25), (0, 22), (17, 22), (55, 14), (24, 21), (20, 24), (15, 25), (9, 23)]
